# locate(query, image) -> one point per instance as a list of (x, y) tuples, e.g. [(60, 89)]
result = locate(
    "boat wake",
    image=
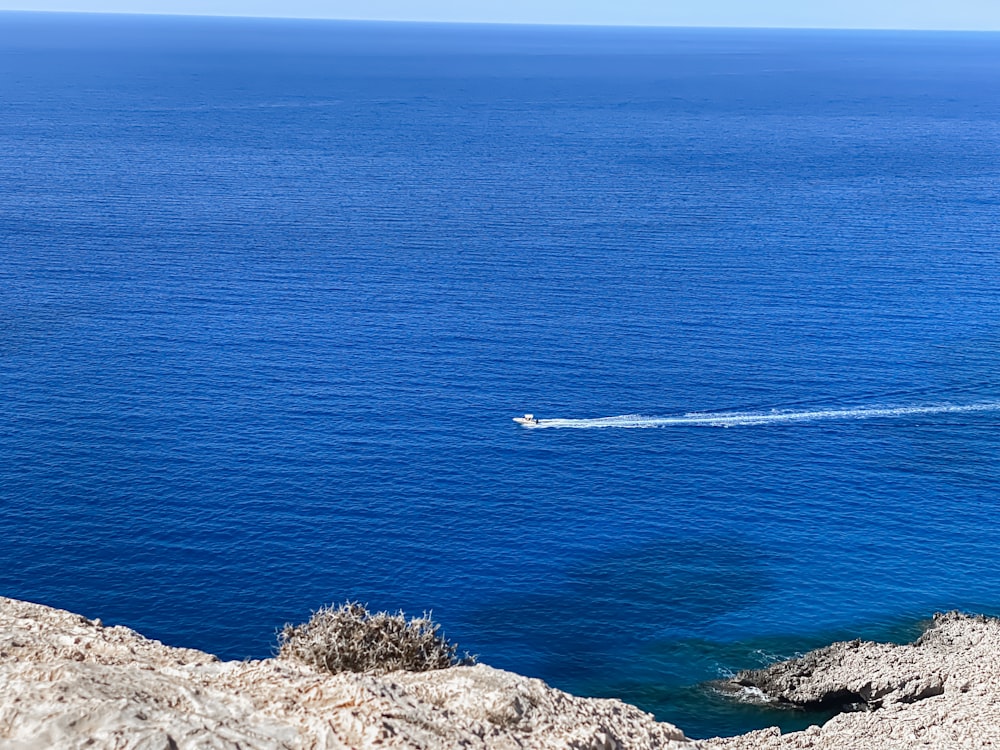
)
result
[(751, 418)]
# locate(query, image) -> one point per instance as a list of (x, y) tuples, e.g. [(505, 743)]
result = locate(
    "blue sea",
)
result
[(272, 291)]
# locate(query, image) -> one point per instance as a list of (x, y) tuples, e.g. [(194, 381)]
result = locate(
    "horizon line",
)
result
[(546, 24)]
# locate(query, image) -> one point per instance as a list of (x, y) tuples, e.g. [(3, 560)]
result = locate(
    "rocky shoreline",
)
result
[(941, 691), (70, 682)]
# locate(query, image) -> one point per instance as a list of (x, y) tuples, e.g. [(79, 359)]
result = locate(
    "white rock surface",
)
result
[(67, 682), (958, 658)]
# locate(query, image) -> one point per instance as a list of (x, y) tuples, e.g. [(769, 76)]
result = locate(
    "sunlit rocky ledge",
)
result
[(69, 682)]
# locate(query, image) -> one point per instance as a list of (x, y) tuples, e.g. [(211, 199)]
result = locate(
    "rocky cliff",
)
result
[(69, 682), (942, 692)]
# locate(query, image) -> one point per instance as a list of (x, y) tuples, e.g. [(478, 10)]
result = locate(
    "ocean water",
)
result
[(272, 291)]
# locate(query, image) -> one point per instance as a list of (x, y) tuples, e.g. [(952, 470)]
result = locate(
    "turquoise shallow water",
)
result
[(271, 293)]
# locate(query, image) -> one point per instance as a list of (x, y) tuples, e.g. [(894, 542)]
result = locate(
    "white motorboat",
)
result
[(528, 420)]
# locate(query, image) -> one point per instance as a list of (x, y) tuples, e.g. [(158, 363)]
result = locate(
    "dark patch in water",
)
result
[(616, 604)]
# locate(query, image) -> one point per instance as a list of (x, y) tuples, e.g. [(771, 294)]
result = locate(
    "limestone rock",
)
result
[(67, 682), (940, 692)]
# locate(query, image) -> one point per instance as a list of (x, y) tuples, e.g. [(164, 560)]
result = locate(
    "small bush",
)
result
[(349, 638)]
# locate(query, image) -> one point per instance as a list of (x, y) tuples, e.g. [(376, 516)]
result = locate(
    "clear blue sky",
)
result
[(893, 14)]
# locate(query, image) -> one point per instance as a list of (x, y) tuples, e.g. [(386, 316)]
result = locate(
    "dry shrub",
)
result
[(349, 638)]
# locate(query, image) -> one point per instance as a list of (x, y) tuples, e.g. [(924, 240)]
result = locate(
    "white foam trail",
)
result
[(744, 419)]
